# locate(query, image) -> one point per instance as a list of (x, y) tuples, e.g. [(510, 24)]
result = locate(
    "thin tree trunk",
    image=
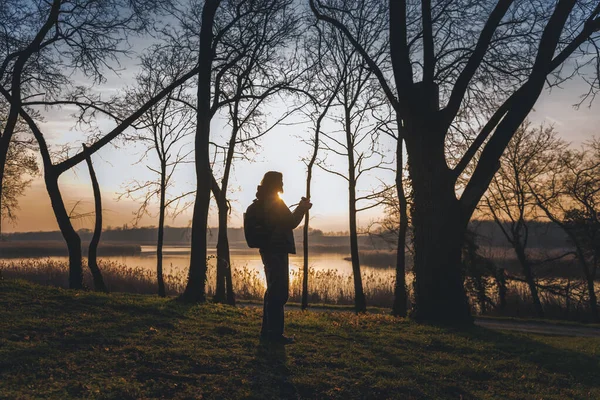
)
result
[(593, 300), (224, 290), (66, 228), (51, 174), (530, 279), (229, 281), (502, 289), (223, 258), (3, 154), (99, 285), (305, 253), (360, 302), (474, 272), (195, 290), (161, 231), (400, 298), (310, 166)]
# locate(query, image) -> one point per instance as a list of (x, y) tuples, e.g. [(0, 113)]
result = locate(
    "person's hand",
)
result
[(305, 203)]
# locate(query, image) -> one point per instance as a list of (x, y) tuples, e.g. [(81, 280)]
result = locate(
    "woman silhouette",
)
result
[(280, 223)]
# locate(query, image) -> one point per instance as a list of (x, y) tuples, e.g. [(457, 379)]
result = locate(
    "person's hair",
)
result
[(269, 186)]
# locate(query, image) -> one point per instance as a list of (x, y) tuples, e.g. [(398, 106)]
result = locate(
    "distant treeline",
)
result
[(53, 248), (181, 236), (542, 235)]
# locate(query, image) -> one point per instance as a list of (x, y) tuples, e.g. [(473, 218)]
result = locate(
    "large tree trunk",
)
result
[(161, 232), (530, 279), (438, 237), (99, 285), (439, 227), (400, 298), (195, 290), (66, 228)]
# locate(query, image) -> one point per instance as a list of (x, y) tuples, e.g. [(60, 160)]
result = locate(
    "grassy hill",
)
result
[(66, 344)]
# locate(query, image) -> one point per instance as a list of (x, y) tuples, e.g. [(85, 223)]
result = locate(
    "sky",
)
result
[(282, 150)]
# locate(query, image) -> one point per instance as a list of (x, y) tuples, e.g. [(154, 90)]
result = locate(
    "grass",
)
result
[(63, 344)]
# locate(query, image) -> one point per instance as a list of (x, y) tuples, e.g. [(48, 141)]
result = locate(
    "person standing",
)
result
[(279, 223)]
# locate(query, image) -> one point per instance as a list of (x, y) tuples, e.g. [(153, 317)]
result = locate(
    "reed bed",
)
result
[(328, 287), (563, 300)]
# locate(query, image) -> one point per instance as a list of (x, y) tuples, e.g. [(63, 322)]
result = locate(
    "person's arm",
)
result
[(282, 218), (297, 216)]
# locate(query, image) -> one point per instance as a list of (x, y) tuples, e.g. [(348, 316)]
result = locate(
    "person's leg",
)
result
[(277, 273), (272, 304), (284, 294), (265, 330), (280, 289)]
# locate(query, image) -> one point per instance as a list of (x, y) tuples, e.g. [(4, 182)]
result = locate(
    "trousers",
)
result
[(278, 281)]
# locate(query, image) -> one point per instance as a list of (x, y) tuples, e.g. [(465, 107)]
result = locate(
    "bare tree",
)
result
[(93, 246), (509, 200), (57, 40), (44, 43), (260, 74), (164, 130), (321, 109), (485, 62), (356, 141), (396, 200), (219, 54), (570, 197)]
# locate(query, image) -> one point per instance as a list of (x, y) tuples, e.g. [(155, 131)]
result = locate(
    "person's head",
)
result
[(270, 186)]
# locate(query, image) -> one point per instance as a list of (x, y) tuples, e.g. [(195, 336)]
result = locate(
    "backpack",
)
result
[(256, 231)]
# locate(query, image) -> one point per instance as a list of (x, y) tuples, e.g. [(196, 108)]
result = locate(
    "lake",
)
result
[(176, 261)]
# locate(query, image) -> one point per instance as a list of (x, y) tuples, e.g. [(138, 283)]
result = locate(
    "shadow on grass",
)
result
[(466, 362), (544, 357), (68, 322), (270, 374)]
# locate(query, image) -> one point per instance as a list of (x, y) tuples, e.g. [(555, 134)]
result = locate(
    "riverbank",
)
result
[(62, 344)]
